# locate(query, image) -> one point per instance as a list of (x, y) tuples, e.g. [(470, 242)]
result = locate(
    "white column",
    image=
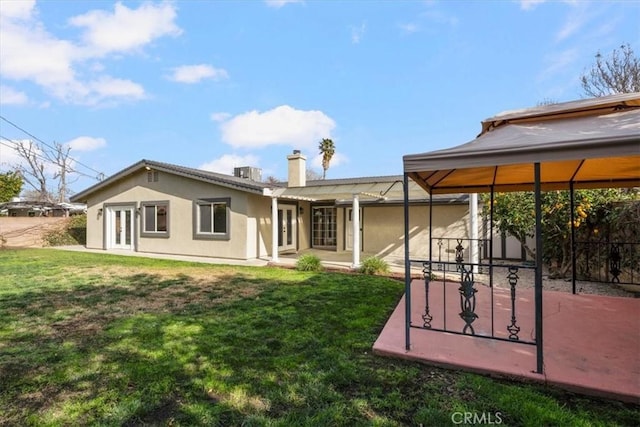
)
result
[(274, 229), (355, 220), (473, 233)]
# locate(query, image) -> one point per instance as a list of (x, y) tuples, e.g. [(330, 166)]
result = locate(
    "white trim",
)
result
[(356, 231), (274, 230)]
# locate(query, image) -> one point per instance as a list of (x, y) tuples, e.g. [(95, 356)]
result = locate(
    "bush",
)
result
[(308, 262), (74, 232), (374, 265)]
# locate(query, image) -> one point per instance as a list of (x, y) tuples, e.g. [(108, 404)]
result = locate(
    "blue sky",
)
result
[(218, 84)]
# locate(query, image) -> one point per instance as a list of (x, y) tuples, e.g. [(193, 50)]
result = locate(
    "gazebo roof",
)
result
[(591, 143)]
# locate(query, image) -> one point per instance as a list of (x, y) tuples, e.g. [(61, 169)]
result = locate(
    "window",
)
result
[(324, 227), (155, 219), (211, 219), (152, 176)]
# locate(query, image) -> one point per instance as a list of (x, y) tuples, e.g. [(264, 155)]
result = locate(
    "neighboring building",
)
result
[(163, 208), (25, 208)]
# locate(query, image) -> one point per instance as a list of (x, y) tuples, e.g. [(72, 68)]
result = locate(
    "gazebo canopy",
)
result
[(591, 143)]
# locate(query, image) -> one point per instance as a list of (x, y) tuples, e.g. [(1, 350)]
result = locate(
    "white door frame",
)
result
[(348, 240), (287, 228), (119, 229)]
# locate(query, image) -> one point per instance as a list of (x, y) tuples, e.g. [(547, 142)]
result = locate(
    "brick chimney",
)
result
[(297, 169)]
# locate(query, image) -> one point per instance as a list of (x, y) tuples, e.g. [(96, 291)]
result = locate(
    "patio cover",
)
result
[(374, 189), (591, 143)]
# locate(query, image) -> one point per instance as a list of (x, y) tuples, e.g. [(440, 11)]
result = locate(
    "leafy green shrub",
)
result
[(374, 265), (74, 232), (308, 262)]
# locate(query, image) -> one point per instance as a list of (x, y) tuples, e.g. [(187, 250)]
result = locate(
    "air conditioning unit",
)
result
[(247, 172)]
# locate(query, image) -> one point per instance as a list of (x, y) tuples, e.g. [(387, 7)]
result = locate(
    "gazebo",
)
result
[(591, 143)]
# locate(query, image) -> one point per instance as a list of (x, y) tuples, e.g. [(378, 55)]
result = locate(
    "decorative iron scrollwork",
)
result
[(614, 263), (513, 329), (426, 273), (459, 253), (467, 298)]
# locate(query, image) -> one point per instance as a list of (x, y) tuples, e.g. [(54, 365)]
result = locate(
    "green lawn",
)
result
[(107, 340)]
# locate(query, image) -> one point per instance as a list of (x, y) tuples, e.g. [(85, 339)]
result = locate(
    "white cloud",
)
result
[(577, 18), (17, 9), (337, 159), (31, 53), (282, 125), (279, 3), (409, 28), (10, 96), (86, 143), (559, 62), (358, 32), (10, 159), (227, 162), (197, 73), (126, 29), (8, 155), (530, 4), (220, 117), (107, 87)]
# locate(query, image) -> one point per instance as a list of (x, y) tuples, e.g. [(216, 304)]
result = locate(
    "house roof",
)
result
[(590, 143), (377, 189), (230, 181)]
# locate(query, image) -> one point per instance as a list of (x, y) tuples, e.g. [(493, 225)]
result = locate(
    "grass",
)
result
[(106, 340)]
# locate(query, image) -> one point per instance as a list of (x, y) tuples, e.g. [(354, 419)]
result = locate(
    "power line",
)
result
[(97, 177), (45, 159)]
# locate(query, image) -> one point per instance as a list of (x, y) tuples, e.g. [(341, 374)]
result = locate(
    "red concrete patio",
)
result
[(591, 342)]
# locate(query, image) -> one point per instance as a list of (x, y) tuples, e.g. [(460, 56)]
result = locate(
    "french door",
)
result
[(287, 228), (119, 227)]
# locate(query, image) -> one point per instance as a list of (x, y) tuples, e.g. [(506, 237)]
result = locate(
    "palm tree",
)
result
[(327, 149)]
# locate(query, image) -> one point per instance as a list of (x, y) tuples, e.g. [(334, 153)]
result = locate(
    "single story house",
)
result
[(163, 208)]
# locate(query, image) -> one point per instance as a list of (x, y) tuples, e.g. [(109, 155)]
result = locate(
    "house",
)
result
[(25, 208), (163, 208)]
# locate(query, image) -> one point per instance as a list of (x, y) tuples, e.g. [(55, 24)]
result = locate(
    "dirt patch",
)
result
[(27, 232)]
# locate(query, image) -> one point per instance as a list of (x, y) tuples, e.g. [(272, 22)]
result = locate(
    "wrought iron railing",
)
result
[(608, 262), (471, 289), (449, 252)]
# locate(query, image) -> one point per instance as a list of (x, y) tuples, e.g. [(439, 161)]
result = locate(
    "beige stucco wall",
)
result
[(250, 217), (383, 228), (304, 226)]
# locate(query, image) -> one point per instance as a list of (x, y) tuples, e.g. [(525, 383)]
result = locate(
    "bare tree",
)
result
[(620, 73), (313, 175), (37, 164), (33, 169)]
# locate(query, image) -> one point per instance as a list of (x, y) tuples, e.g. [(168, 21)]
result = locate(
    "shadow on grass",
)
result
[(243, 349), (142, 347)]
